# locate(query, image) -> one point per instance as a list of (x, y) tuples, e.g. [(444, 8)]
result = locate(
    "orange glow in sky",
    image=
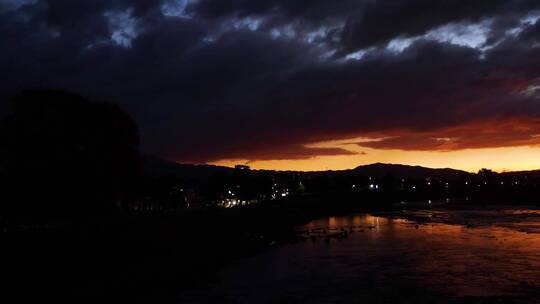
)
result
[(499, 159)]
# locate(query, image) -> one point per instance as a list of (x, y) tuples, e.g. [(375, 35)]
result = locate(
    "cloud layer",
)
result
[(213, 79)]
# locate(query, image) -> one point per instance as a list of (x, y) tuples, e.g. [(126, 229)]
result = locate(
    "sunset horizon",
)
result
[(496, 159)]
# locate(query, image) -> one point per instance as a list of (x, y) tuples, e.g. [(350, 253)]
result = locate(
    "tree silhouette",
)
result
[(63, 156)]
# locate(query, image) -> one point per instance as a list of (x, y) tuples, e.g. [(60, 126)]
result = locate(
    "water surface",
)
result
[(485, 255)]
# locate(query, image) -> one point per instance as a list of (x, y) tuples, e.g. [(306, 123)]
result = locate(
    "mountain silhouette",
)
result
[(156, 166), (379, 170)]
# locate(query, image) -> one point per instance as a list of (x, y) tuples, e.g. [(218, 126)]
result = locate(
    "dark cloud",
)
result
[(314, 11), (372, 22), (260, 79), (483, 134), (531, 35), (381, 21)]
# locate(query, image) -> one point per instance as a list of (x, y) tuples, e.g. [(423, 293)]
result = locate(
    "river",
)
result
[(482, 255)]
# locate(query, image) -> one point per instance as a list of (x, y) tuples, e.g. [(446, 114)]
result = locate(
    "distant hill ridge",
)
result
[(157, 166), (405, 171)]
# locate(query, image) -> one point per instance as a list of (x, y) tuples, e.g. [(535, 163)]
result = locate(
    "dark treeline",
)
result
[(84, 215), (63, 157), (372, 187)]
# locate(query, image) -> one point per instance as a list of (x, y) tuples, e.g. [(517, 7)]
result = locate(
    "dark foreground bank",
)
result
[(147, 258)]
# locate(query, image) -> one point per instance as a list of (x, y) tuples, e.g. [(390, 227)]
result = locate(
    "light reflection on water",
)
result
[(453, 259), (388, 259)]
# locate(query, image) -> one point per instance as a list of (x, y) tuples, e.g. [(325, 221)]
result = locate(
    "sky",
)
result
[(291, 84)]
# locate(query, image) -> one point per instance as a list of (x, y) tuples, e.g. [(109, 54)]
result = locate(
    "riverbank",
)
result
[(149, 257)]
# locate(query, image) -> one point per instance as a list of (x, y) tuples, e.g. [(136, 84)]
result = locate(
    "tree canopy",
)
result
[(64, 155)]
